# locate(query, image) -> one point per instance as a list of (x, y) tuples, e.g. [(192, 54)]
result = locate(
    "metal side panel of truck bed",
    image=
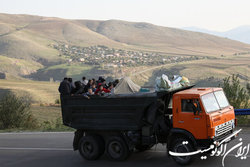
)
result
[(102, 113), (115, 112)]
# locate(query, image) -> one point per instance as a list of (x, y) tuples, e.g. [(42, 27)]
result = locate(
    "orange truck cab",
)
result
[(203, 116), (203, 112)]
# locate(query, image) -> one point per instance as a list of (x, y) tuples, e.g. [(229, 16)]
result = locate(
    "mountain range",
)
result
[(241, 33)]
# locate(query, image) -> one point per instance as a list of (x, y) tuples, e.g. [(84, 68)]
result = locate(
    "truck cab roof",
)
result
[(197, 91)]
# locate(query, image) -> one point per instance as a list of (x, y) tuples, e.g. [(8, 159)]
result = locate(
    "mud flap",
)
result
[(77, 137)]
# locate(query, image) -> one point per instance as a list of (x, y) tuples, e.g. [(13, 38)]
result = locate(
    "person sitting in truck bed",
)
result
[(110, 86), (115, 82), (94, 87), (79, 89), (89, 85), (102, 81), (88, 93), (94, 81), (101, 90)]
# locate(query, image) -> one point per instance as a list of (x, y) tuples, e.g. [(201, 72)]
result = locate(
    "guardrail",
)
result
[(242, 111)]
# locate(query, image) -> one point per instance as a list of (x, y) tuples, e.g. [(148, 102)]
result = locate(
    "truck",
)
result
[(185, 120)]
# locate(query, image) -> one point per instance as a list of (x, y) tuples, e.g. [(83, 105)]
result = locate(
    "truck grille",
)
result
[(224, 128)]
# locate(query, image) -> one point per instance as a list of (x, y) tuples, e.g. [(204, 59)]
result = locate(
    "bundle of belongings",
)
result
[(163, 83), (126, 86)]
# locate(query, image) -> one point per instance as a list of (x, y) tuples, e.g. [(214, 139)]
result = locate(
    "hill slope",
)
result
[(169, 40), (36, 32), (30, 38)]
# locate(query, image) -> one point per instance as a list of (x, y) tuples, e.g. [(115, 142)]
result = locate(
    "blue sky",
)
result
[(219, 15)]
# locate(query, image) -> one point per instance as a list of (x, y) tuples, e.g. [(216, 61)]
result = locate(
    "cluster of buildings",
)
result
[(111, 58)]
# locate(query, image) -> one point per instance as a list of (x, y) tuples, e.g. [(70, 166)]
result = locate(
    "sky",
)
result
[(217, 15)]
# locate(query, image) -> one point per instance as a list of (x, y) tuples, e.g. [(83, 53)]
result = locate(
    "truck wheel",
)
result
[(142, 148), (182, 145), (91, 147), (117, 149)]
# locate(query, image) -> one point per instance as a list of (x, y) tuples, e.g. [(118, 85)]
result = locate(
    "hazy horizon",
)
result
[(213, 15), (184, 28)]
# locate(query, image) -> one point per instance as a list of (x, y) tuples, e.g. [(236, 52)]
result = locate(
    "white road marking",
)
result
[(33, 133), (36, 149)]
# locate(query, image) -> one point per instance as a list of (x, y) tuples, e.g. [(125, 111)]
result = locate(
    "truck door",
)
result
[(189, 116)]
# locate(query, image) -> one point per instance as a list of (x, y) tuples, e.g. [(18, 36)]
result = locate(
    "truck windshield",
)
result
[(214, 101), (209, 102), (221, 98)]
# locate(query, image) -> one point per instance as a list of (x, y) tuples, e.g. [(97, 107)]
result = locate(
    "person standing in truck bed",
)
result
[(64, 87), (84, 81)]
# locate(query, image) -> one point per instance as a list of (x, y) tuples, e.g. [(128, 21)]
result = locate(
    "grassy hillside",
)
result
[(25, 45), (206, 72), (24, 36), (75, 71), (41, 92), (18, 66), (169, 40)]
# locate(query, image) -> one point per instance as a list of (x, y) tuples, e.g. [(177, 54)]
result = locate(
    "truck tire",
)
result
[(91, 147), (142, 148), (117, 149), (182, 145)]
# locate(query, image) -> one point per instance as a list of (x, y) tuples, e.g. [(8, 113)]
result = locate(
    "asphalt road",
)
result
[(55, 150)]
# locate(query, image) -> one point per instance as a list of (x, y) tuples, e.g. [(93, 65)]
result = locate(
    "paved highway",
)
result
[(55, 150)]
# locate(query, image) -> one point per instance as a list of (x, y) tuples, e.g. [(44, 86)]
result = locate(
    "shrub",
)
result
[(15, 113), (57, 101), (47, 126), (54, 125), (236, 94)]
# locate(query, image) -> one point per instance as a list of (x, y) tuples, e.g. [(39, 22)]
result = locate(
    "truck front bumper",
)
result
[(227, 138)]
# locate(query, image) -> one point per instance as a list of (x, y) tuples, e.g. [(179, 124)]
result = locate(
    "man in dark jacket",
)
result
[(71, 84), (64, 87)]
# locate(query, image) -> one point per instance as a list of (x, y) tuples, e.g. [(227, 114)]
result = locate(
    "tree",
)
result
[(248, 88), (237, 95)]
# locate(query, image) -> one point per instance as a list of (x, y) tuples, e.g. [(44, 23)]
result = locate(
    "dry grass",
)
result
[(201, 69), (45, 113), (18, 66), (41, 92)]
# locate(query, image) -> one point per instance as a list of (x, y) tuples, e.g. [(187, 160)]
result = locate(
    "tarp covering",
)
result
[(164, 84), (126, 86)]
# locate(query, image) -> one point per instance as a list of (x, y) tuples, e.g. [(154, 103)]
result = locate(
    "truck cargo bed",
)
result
[(105, 113), (115, 112)]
